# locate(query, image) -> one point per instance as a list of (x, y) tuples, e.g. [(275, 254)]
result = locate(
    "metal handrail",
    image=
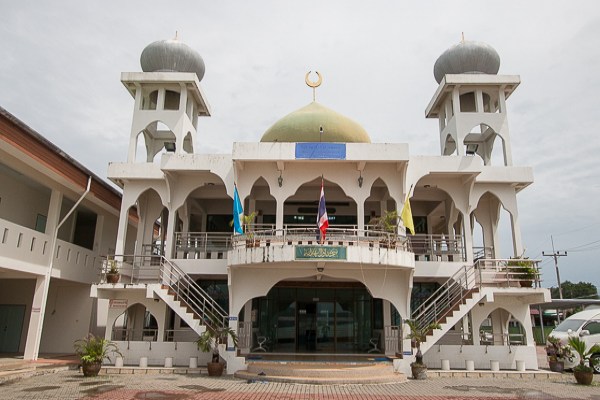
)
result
[(445, 297), (189, 292), (507, 272), (310, 235), (158, 269)]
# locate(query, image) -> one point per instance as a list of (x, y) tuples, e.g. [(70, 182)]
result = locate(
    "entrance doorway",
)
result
[(316, 327), (11, 325), (326, 318)]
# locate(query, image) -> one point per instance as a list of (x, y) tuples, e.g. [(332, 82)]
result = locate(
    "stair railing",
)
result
[(194, 297), (447, 296)]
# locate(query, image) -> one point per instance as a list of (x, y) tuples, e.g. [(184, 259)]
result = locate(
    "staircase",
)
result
[(188, 300), (449, 304), (163, 278)]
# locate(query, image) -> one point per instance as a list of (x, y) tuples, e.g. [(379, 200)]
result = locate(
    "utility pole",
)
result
[(555, 254)]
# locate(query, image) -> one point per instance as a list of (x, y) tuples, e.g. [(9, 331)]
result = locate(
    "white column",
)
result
[(170, 239), (98, 233), (516, 234), (122, 229), (279, 215), (360, 215), (468, 234), (32, 346)]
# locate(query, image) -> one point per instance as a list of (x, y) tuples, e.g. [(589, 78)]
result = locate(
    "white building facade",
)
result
[(57, 221), (284, 290)]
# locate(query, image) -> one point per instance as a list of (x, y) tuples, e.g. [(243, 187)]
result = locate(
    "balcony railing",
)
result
[(207, 245)]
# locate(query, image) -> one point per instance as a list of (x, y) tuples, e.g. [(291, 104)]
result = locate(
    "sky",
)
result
[(61, 64)]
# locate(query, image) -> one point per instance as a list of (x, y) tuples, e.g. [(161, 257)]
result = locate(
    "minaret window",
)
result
[(171, 100)]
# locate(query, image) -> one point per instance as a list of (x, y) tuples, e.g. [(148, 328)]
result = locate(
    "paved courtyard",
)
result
[(72, 385)]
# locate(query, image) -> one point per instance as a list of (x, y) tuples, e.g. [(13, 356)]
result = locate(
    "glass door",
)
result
[(325, 314)]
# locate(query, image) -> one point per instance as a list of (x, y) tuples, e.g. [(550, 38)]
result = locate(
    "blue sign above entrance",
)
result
[(321, 151)]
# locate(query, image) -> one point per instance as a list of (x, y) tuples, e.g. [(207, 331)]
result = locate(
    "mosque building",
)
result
[(409, 237)]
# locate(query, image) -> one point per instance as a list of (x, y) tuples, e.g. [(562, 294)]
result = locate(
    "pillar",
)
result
[(34, 332)]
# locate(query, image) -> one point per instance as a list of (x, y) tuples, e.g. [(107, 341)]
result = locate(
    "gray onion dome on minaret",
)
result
[(171, 56), (467, 57)]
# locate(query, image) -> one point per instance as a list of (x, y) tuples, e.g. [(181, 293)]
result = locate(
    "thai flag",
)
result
[(322, 221)]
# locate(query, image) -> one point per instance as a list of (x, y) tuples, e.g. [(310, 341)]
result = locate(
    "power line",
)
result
[(556, 254)]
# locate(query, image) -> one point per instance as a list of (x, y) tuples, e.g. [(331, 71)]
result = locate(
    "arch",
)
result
[(156, 134), (481, 140), (149, 99), (262, 201), (301, 207), (449, 145), (188, 143), (501, 327), (379, 201), (126, 326)]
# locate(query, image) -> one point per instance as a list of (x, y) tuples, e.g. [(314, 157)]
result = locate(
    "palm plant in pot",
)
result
[(112, 272), (210, 339), (247, 220), (584, 374), (417, 335), (524, 270), (92, 351), (387, 223)]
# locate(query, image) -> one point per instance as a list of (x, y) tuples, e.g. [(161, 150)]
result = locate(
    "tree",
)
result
[(581, 290)]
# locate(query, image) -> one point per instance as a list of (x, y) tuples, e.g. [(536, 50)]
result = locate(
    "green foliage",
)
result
[(417, 334), (388, 222), (215, 335), (580, 347), (95, 349), (556, 349), (112, 267), (525, 268), (246, 220), (581, 290)]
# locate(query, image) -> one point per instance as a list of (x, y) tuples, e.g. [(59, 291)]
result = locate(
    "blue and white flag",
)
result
[(238, 213)]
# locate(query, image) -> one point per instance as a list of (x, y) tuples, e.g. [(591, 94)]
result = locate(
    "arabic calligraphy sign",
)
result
[(320, 253)]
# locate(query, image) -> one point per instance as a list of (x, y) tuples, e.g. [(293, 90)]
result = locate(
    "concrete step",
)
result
[(321, 373)]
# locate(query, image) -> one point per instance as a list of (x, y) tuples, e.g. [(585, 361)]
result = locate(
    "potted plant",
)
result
[(584, 374), (524, 271), (247, 220), (418, 335), (387, 223), (210, 340), (112, 272), (557, 353), (92, 351)]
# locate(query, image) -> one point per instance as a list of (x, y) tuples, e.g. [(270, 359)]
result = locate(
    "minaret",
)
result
[(168, 99), (470, 101)]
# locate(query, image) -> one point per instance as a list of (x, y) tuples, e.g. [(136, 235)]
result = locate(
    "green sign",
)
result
[(320, 253)]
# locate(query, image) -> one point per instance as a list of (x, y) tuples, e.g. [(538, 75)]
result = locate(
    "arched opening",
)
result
[(500, 328), (480, 141), (379, 202), (153, 141), (493, 221), (449, 146), (152, 228), (301, 209), (202, 227), (135, 324), (467, 102), (261, 202), (319, 317), (438, 223)]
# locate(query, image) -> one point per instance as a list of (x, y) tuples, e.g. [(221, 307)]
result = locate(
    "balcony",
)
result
[(205, 245)]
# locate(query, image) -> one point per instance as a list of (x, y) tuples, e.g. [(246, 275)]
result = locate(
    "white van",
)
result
[(586, 325)]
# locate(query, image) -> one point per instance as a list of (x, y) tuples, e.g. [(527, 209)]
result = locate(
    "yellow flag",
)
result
[(406, 216)]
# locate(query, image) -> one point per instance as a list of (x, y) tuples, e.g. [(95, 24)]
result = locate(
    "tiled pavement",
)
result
[(72, 385)]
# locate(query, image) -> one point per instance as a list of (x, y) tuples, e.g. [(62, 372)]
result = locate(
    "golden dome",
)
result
[(303, 125)]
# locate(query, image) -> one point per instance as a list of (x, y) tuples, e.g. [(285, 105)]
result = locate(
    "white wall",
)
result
[(21, 203)]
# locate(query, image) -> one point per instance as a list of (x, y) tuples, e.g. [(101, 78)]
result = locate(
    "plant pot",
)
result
[(113, 278), (215, 369), (419, 371), (556, 366), (91, 369), (526, 283), (583, 377)]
